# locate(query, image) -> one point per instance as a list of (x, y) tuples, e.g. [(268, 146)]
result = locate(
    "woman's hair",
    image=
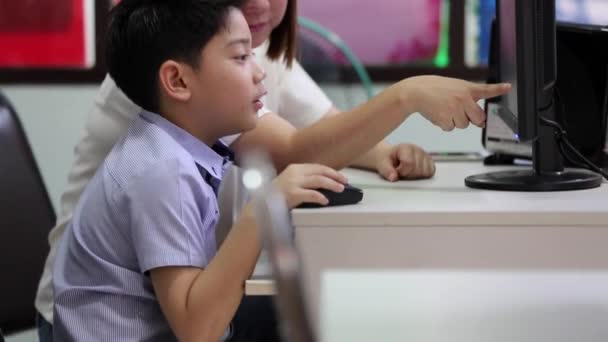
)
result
[(143, 34), (283, 37)]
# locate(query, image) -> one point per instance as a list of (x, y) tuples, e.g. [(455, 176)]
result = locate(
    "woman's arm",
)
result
[(339, 139), (394, 162), (297, 98), (333, 141)]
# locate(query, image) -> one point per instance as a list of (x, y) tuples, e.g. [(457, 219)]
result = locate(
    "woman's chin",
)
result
[(259, 38)]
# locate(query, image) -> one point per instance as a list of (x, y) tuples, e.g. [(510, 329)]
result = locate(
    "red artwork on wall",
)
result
[(47, 34)]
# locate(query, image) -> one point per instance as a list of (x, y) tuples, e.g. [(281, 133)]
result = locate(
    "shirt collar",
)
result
[(212, 159)]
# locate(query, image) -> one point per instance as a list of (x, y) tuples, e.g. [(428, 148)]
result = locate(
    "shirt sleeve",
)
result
[(172, 214), (301, 101)]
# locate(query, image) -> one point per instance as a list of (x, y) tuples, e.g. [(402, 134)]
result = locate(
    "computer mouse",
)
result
[(350, 195)]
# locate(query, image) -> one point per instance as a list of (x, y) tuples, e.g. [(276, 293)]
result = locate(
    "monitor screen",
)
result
[(521, 30), (507, 107)]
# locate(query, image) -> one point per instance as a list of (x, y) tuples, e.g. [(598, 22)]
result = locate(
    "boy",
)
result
[(139, 260)]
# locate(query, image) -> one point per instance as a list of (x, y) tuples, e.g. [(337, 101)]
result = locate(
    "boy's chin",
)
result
[(246, 125), (251, 123)]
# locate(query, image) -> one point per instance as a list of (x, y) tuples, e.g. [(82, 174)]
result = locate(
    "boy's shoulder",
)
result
[(146, 151)]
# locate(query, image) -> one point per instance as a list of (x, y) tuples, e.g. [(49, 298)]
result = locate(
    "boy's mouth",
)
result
[(257, 105), (257, 102)]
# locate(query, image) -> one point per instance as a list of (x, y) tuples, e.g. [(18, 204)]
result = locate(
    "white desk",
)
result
[(439, 306), (441, 224)]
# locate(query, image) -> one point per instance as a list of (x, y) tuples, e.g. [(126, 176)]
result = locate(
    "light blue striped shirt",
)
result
[(151, 204)]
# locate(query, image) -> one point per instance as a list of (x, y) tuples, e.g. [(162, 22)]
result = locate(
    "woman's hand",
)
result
[(405, 161), (447, 102)]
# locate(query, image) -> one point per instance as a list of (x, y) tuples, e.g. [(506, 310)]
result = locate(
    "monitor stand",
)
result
[(530, 180), (547, 174)]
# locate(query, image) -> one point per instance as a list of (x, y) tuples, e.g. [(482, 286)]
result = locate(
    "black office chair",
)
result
[(26, 216)]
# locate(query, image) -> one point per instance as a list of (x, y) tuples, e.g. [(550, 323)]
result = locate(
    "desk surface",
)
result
[(445, 200), (440, 202)]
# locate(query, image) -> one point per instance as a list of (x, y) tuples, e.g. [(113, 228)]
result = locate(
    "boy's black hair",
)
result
[(143, 34)]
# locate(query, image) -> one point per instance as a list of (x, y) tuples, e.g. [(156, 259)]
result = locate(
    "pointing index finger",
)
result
[(485, 91)]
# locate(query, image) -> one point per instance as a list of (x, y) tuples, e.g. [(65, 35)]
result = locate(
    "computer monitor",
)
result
[(527, 60), (582, 85)]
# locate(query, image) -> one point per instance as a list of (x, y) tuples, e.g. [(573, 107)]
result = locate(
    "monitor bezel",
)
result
[(525, 121)]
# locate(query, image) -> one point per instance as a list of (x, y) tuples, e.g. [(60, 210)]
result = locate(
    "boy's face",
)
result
[(228, 83)]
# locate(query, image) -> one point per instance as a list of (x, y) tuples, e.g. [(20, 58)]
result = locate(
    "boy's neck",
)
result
[(189, 123)]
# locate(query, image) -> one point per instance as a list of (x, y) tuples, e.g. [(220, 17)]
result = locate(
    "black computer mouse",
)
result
[(350, 195)]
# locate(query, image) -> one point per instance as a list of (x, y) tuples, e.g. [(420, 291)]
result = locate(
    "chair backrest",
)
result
[(26, 216), (274, 219)]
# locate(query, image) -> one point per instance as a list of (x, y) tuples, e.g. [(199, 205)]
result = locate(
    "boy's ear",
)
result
[(172, 80)]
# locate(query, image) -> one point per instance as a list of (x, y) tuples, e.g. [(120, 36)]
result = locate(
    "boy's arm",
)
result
[(339, 139), (199, 304)]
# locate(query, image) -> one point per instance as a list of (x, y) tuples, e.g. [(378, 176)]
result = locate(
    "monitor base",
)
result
[(529, 180)]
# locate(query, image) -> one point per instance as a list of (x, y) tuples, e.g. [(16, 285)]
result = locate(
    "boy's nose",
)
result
[(259, 74)]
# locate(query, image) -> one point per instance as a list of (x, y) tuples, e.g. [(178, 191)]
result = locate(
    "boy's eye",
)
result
[(243, 57)]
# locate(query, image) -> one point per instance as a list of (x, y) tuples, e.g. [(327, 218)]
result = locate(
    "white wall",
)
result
[(53, 117), (415, 129)]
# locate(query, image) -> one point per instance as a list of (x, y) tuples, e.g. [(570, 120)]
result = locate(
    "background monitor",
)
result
[(527, 58)]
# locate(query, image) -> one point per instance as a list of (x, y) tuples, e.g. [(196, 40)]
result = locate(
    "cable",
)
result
[(560, 133), (336, 41), (592, 166), (562, 139), (570, 159)]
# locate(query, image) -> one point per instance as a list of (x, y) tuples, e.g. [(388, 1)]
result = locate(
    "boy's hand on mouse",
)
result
[(405, 161), (298, 181), (450, 103)]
